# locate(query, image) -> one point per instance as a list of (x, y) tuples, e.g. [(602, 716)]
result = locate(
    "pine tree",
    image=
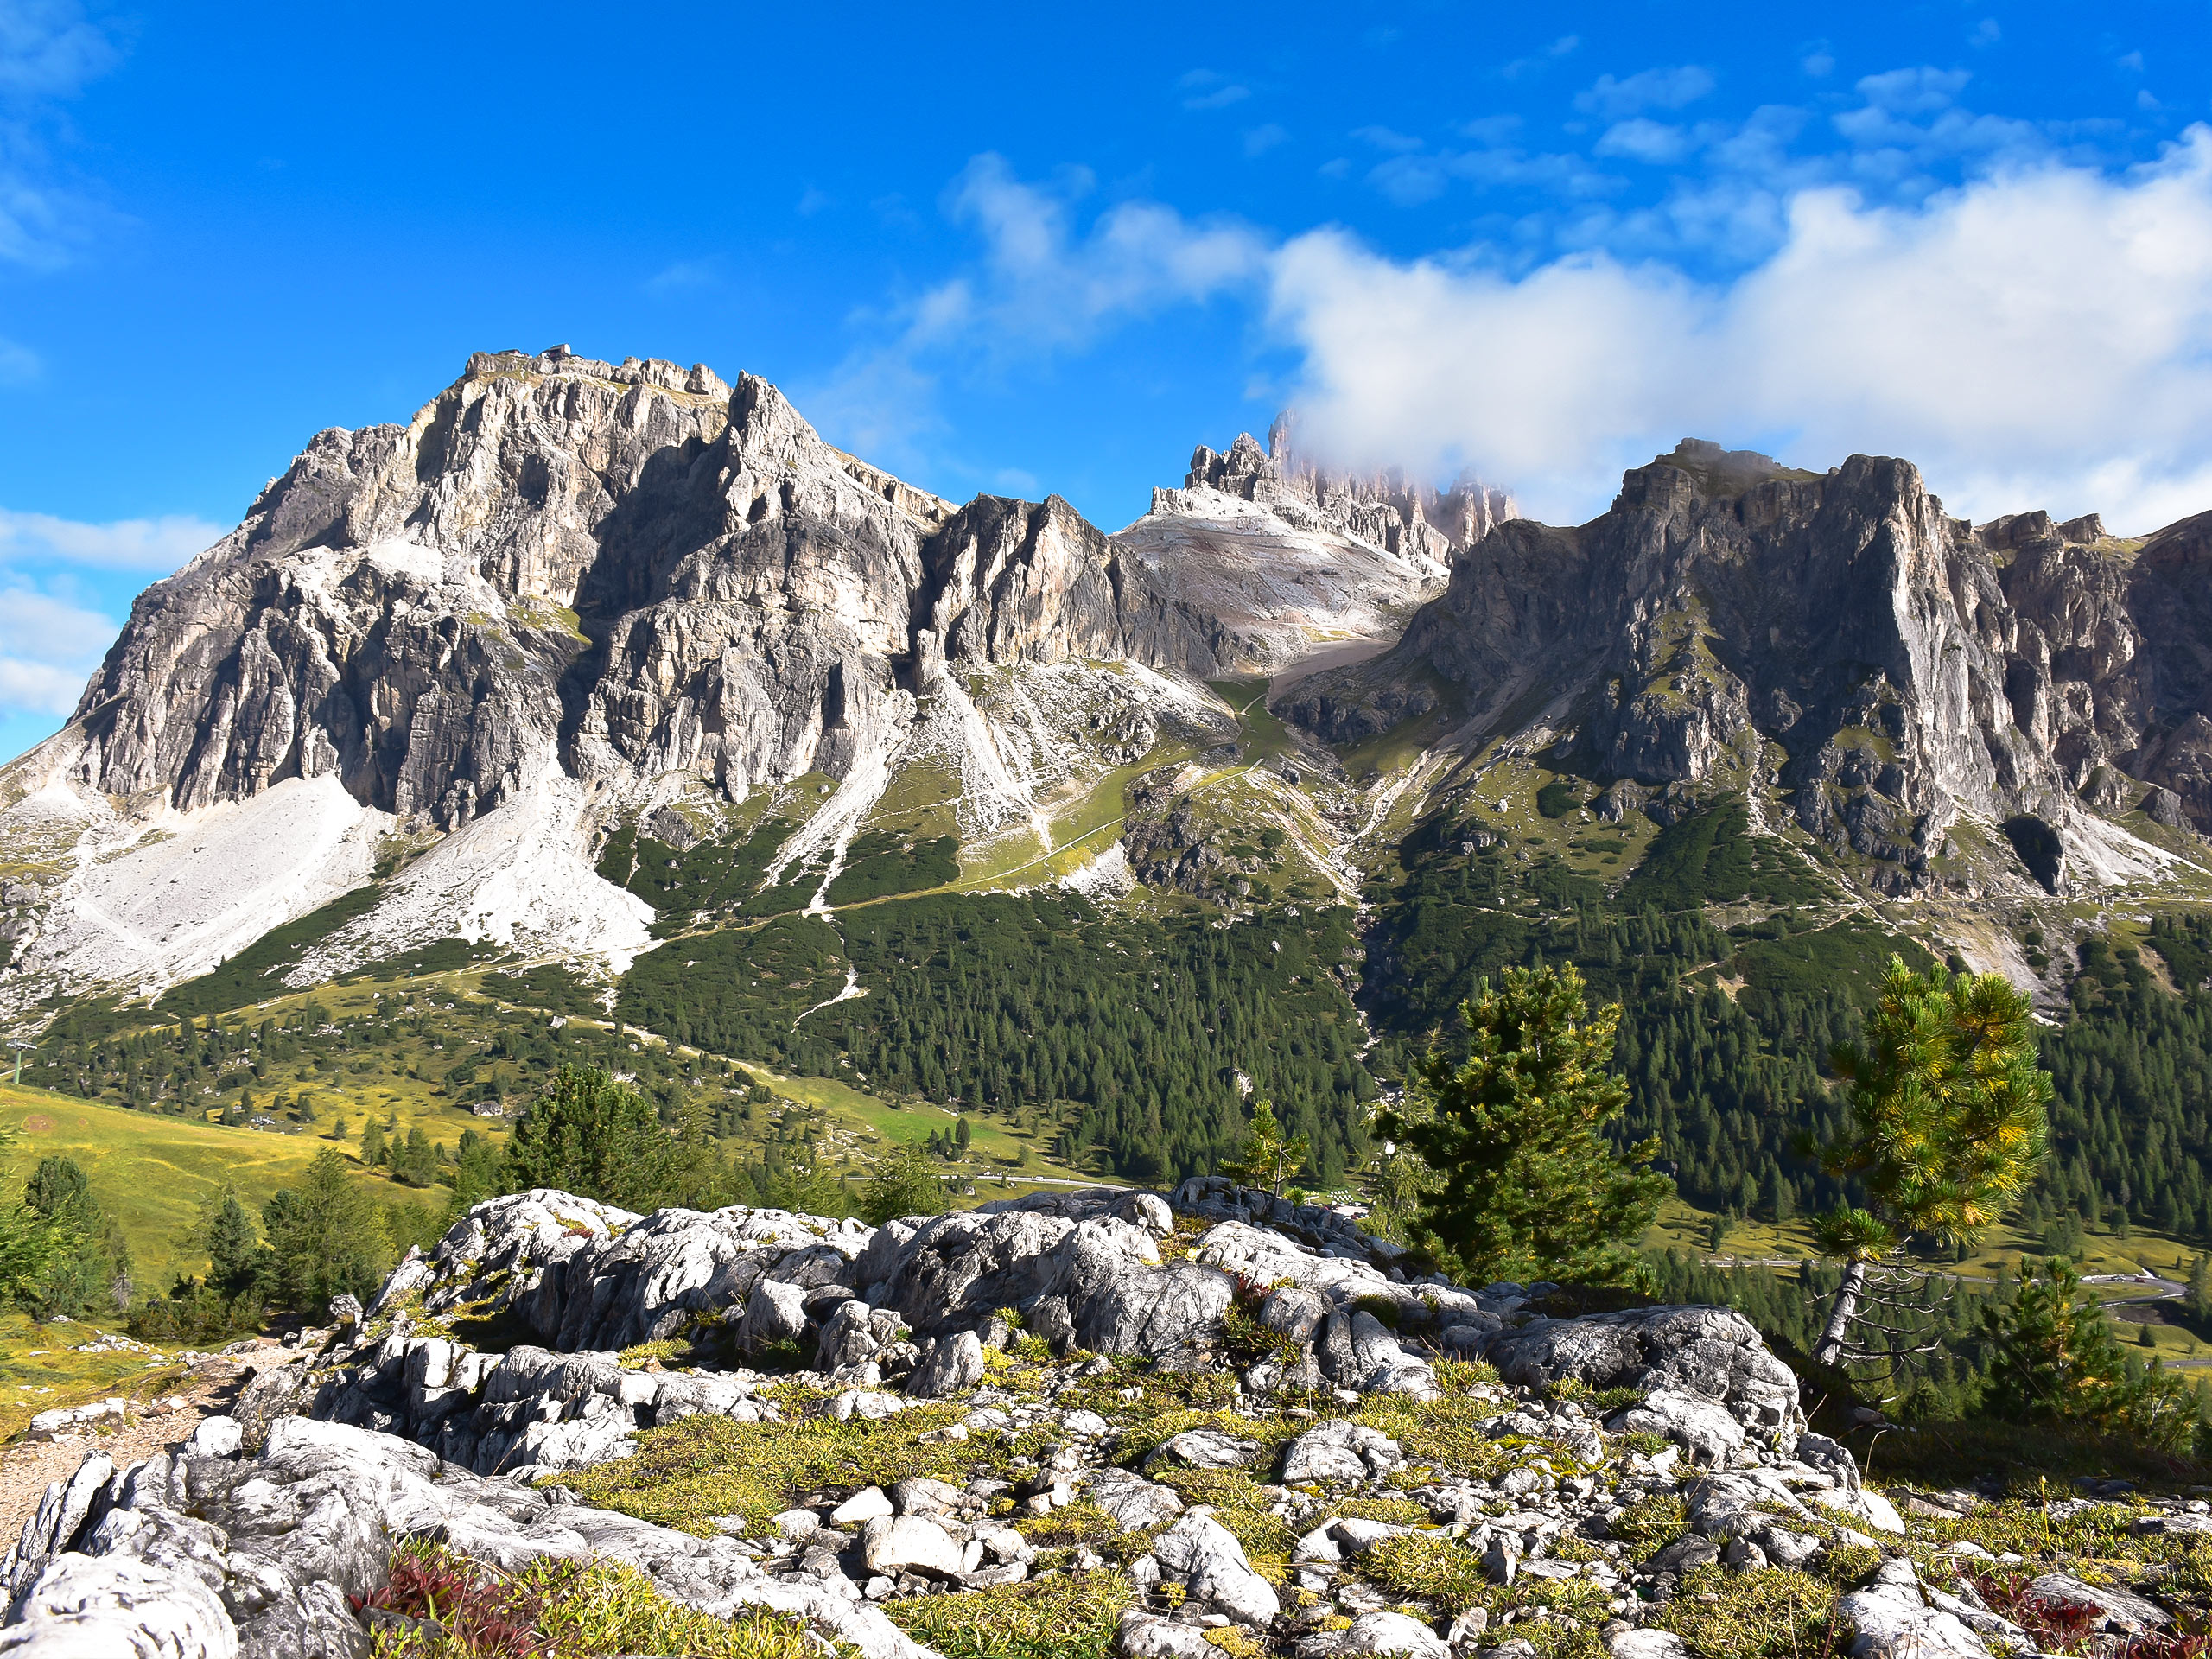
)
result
[(372, 1144), (1526, 1186), (1946, 1125), (324, 1237), (1268, 1160), (2057, 1361), (233, 1246), (590, 1135)]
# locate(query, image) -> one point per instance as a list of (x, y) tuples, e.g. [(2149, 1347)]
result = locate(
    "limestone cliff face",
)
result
[(1886, 665), (616, 571)]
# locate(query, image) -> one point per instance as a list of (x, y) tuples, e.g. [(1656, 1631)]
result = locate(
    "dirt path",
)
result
[(26, 1467)]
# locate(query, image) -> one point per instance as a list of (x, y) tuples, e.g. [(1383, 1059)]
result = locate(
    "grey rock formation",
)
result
[(678, 573), (1892, 1618), (1912, 666), (1380, 508), (1713, 1354), (1203, 1556), (258, 1556)]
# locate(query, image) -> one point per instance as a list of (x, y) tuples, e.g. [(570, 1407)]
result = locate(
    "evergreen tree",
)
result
[(902, 1183), (327, 1237), (57, 1187), (2057, 1361), (1527, 1186), (590, 1135), (1946, 1128), (1268, 1160), (233, 1246), (372, 1145)]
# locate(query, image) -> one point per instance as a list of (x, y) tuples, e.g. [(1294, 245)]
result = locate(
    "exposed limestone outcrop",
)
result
[(211, 1556), (910, 1306), (1380, 508), (260, 1534), (631, 567)]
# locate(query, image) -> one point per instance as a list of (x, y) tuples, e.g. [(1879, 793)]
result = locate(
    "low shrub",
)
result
[(557, 1609), (1070, 1617)]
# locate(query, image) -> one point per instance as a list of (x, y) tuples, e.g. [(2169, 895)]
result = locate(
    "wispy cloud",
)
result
[(49, 648), (160, 545), (49, 52), (684, 276), (1203, 89), (1261, 139), (1043, 284), (1652, 89), (47, 49)]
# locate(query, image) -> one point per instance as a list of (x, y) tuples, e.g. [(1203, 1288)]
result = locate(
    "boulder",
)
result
[(949, 1365), (1891, 1619), (1147, 1636), (114, 1607), (1393, 1633), (1133, 1502), (1337, 1451), (774, 1313), (905, 1543), (1205, 1557), (1202, 1448), (213, 1437), (869, 1504), (1700, 1426), (1712, 1352), (2119, 1611)]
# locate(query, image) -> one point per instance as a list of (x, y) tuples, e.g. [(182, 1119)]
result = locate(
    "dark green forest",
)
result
[(1130, 1031)]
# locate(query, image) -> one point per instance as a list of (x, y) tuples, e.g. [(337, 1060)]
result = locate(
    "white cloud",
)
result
[(1652, 89), (47, 49), (156, 544), (1261, 139), (1205, 89), (18, 364), (1642, 139), (2040, 337), (49, 648), (1384, 138), (1040, 288), (681, 278)]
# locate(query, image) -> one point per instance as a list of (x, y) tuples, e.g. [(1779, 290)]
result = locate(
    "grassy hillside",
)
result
[(152, 1172)]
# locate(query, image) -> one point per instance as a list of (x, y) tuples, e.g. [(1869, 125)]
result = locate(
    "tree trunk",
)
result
[(1840, 1314)]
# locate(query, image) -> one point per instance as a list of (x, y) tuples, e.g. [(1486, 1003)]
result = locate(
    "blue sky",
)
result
[(1031, 248)]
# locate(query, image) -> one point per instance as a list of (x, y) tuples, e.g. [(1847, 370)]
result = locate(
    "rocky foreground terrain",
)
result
[(1213, 1421)]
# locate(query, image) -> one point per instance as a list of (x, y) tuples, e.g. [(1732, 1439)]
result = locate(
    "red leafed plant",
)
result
[(487, 1613), (2058, 1626)]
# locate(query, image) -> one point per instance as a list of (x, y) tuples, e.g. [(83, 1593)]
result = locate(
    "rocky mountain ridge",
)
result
[(1901, 682), (441, 664)]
